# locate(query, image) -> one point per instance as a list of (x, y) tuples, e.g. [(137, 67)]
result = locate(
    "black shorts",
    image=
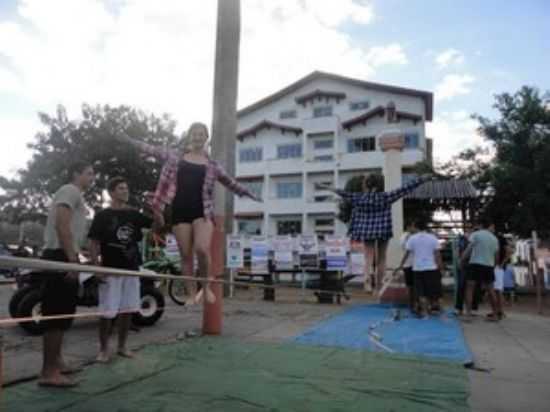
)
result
[(409, 277), (186, 213), (59, 295), (481, 273), (428, 284)]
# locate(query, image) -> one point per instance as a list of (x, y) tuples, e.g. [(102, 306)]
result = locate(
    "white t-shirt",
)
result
[(422, 246), (68, 195)]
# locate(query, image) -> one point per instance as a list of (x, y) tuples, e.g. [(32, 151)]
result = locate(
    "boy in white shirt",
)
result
[(427, 266), (407, 264)]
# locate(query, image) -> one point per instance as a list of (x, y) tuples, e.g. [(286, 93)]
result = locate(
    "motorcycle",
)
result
[(27, 300)]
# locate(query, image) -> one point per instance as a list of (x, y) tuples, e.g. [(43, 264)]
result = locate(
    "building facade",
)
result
[(324, 128)]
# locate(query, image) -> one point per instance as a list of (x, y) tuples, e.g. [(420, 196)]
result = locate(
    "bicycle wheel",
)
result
[(177, 291)]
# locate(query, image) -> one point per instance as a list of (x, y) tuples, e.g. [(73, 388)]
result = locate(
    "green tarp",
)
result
[(217, 374)]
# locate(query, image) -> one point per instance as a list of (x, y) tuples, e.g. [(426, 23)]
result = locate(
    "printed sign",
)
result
[(259, 251), (357, 263), (283, 247), (308, 250), (335, 249), (235, 252)]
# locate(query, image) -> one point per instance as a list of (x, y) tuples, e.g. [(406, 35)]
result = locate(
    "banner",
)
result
[(235, 252), (282, 252), (335, 249), (308, 250), (357, 264), (259, 252)]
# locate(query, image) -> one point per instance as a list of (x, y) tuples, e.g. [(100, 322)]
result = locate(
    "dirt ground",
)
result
[(512, 357)]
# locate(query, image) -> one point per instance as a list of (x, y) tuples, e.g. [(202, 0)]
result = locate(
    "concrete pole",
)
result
[(224, 128), (392, 144)]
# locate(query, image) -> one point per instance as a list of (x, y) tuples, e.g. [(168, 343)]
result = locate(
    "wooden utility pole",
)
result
[(224, 130)]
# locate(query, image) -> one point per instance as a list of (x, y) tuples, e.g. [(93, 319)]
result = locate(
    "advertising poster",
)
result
[(335, 249), (259, 253), (357, 263), (308, 250), (282, 251), (235, 252)]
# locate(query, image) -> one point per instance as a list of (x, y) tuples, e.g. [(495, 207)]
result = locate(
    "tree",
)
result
[(513, 176), (519, 176), (90, 138)]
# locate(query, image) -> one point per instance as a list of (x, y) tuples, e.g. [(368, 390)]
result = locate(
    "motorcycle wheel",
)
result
[(152, 307), (31, 306), (177, 291), (16, 299)]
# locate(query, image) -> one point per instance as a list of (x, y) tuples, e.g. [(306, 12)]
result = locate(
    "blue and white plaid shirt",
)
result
[(371, 212)]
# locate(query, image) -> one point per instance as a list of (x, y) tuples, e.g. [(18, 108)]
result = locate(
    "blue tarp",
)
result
[(372, 327)]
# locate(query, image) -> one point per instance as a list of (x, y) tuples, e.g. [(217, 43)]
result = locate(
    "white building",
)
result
[(322, 128)]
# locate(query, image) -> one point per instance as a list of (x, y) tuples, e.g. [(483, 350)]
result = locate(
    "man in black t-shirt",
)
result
[(114, 237)]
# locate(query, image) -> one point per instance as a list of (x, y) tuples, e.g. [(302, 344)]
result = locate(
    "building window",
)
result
[(411, 140), (322, 195), (322, 111), (408, 177), (287, 114), (362, 105), (324, 222), (324, 158), (289, 190), (255, 186), (253, 154), (289, 227), (286, 151), (322, 198), (323, 144), (249, 227), (362, 144), (324, 226)]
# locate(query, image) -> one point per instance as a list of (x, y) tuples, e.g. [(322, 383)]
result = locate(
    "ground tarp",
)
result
[(372, 327), (217, 374)]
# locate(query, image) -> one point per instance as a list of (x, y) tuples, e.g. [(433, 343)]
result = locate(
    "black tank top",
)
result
[(189, 187)]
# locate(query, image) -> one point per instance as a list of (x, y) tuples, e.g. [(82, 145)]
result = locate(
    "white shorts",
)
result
[(499, 279), (119, 293)]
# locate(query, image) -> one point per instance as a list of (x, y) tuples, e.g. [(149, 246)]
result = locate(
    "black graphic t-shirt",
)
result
[(118, 231)]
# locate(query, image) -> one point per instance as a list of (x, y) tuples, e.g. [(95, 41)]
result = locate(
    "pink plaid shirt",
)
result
[(167, 184)]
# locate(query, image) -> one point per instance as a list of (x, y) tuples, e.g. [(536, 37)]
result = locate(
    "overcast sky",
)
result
[(159, 56)]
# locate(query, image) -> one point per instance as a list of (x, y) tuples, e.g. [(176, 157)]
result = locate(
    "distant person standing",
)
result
[(427, 266), (114, 237), (64, 234), (481, 257)]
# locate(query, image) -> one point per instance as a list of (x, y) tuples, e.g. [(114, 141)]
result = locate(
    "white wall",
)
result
[(305, 169)]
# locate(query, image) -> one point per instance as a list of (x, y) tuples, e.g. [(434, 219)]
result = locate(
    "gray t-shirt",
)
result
[(484, 248), (68, 195)]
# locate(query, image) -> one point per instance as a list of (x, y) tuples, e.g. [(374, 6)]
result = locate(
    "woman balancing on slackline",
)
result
[(371, 221), (187, 183)]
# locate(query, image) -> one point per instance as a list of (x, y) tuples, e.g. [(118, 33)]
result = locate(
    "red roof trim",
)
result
[(426, 96), (363, 118), (320, 94), (411, 116), (266, 124)]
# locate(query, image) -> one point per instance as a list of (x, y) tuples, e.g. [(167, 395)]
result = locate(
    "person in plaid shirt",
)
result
[(187, 182), (371, 221)]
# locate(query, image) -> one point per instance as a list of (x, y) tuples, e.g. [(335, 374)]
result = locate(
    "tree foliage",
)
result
[(90, 138), (516, 180)]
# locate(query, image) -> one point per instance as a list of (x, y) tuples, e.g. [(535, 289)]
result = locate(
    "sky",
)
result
[(159, 56)]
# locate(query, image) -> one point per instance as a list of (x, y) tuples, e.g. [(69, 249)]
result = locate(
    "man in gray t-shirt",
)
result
[(481, 257), (65, 232)]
